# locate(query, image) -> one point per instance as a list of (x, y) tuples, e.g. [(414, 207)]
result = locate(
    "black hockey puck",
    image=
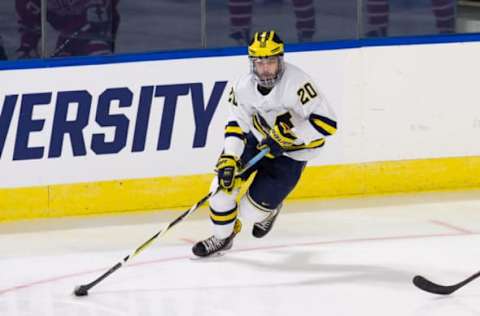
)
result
[(80, 291)]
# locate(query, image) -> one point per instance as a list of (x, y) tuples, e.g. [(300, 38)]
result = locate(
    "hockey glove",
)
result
[(278, 140), (227, 168)]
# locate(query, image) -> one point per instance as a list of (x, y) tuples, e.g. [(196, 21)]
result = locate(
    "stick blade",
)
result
[(80, 290), (428, 286)]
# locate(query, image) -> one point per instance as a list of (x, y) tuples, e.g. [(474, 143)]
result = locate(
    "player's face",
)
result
[(266, 68)]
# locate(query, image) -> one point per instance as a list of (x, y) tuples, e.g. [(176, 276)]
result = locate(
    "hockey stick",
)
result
[(73, 36), (431, 287), (82, 290)]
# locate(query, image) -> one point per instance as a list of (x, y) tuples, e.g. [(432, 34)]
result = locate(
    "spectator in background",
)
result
[(378, 12), (241, 19), (3, 54), (86, 27)]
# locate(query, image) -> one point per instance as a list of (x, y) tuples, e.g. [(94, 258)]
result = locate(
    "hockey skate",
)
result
[(213, 245), (262, 228)]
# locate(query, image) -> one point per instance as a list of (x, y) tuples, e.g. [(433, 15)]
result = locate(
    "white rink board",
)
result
[(421, 101), (392, 103)]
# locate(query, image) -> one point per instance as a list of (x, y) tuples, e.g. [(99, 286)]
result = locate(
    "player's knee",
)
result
[(250, 212), (223, 212), (222, 201), (223, 222)]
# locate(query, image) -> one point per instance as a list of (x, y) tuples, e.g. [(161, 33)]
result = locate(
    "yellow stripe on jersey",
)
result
[(313, 144), (316, 143), (330, 129), (258, 126), (323, 124), (233, 130)]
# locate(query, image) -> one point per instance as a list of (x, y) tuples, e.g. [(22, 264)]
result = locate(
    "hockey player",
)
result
[(378, 12), (86, 27), (278, 106), (241, 19)]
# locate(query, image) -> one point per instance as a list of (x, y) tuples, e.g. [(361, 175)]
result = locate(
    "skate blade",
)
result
[(212, 256)]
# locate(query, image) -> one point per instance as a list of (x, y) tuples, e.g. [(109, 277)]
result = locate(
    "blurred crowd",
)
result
[(90, 27)]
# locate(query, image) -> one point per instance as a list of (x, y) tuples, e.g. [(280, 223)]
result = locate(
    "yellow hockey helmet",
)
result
[(265, 52), (265, 44)]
